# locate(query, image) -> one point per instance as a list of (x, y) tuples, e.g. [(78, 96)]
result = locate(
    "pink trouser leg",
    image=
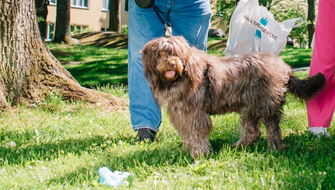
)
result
[(320, 110)]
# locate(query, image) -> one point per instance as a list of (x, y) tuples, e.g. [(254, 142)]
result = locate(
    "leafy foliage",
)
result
[(290, 10), (224, 11), (124, 29)]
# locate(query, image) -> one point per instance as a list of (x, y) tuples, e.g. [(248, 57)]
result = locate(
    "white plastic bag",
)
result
[(112, 178), (253, 28)]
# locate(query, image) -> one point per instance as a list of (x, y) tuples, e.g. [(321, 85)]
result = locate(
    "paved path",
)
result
[(301, 69)]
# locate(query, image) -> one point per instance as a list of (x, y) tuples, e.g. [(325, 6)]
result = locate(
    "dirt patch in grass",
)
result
[(103, 39), (217, 45)]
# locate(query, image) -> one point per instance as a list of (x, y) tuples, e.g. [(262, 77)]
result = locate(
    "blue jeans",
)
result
[(189, 18)]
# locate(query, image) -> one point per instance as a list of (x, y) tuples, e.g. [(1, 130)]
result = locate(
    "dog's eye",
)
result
[(161, 53)]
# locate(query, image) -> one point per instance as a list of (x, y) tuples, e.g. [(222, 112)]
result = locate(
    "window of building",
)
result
[(50, 32), (126, 8), (105, 5), (75, 29), (79, 3), (53, 2)]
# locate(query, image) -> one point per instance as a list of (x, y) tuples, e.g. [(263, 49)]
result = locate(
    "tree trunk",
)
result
[(62, 31), (42, 13), (28, 71), (114, 16), (310, 18)]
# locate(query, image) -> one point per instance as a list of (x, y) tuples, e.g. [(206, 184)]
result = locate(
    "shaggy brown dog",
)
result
[(193, 85)]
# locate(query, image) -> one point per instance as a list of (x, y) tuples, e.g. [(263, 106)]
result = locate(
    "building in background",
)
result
[(86, 15)]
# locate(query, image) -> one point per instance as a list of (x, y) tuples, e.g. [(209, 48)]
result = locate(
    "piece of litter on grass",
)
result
[(112, 178)]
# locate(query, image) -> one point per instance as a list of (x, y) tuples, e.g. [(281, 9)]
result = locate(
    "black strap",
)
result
[(207, 81), (145, 4)]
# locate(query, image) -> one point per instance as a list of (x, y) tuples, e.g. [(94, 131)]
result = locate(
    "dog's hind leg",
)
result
[(249, 130), (273, 131)]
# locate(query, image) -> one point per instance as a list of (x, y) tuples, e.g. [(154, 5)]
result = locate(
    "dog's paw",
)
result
[(277, 147), (246, 140)]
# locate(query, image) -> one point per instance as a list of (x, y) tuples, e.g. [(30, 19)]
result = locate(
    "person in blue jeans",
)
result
[(188, 18)]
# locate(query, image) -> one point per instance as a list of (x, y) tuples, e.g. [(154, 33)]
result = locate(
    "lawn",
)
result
[(61, 145)]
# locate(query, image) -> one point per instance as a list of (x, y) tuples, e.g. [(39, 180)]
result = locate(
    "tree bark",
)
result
[(310, 18), (62, 31), (28, 71), (114, 16), (42, 13)]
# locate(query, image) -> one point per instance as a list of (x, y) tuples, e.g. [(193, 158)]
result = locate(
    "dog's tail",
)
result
[(307, 88)]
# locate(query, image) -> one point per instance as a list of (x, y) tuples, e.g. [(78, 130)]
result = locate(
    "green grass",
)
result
[(61, 145), (93, 66), (296, 57)]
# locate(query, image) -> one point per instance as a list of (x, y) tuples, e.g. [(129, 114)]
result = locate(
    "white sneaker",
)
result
[(319, 131)]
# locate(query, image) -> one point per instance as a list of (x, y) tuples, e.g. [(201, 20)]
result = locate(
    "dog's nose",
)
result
[(172, 63)]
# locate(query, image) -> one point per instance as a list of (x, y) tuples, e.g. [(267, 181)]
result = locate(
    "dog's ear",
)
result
[(149, 58), (194, 71)]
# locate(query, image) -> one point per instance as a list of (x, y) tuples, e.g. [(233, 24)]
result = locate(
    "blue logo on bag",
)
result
[(264, 21), (258, 34)]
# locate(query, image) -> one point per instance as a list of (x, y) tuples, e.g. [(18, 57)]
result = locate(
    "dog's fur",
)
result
[(193, 85)]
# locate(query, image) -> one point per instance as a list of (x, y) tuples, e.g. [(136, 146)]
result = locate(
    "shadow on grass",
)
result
[(60, 53), (28, 151), (78, 176), (93, 67), (314, 153), (143, 162), (100, 73), (305, 153)]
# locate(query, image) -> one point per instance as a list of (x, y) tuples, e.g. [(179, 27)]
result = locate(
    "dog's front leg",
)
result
[(194, 129)]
